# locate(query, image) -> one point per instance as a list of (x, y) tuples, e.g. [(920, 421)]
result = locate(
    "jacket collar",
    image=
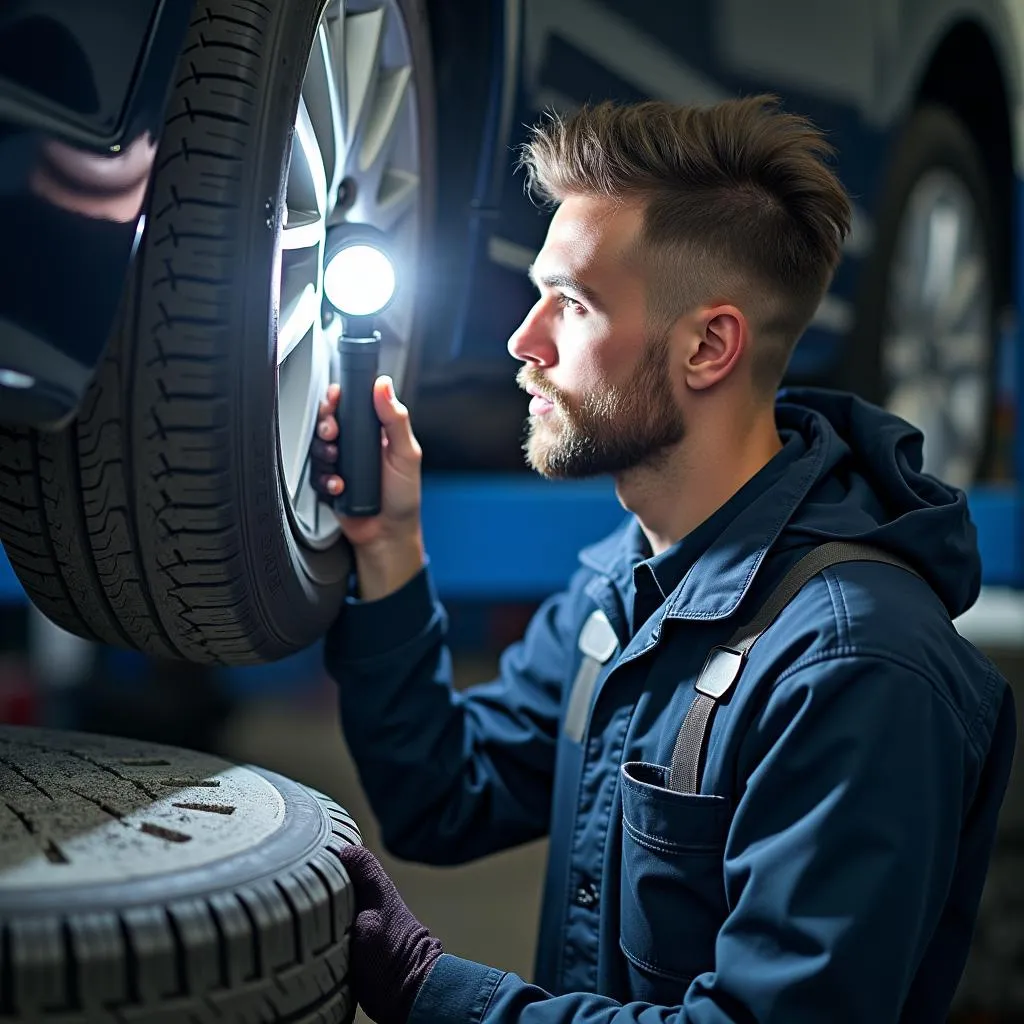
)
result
[(616, 554), (719, 580)]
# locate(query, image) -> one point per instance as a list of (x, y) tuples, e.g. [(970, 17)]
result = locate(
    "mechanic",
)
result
[(829, 862)]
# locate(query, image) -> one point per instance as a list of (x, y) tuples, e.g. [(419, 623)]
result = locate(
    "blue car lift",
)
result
[(515, 537)]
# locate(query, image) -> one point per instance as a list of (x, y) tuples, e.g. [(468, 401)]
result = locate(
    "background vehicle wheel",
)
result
[(926, 338), (176, 516), (147, 882)]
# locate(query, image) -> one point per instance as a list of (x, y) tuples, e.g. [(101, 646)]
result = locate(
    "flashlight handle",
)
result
[(359, 440)]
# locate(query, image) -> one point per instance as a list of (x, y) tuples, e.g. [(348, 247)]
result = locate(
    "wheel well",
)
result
[(463, 40), (979, 99)]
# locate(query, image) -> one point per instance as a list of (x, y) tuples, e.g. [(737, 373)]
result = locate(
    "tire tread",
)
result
[(202, 959)]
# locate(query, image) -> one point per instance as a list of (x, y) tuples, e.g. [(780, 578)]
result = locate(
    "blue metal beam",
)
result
[(511, 537)]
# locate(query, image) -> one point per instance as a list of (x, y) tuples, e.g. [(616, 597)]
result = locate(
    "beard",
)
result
[(606, 432)]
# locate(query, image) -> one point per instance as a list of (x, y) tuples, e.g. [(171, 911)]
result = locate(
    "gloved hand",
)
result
[(391, 952)]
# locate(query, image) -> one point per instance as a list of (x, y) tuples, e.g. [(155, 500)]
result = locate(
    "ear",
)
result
[(722, 337)]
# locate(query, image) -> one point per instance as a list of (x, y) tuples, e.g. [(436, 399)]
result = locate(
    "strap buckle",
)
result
[(720, 672)]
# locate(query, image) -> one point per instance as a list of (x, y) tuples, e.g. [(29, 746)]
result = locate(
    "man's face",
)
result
[(603, 399)]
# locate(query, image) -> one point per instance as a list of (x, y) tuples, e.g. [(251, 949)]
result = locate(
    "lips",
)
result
[(539, 404)]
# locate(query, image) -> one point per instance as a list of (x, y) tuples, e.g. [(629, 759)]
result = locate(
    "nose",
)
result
[(533, 341)]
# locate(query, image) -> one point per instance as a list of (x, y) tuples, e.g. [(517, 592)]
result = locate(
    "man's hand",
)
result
[(388, 547), (391, 952)]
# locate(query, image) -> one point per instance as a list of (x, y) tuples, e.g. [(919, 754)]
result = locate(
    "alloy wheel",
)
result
[(355, 159), (937, 347)]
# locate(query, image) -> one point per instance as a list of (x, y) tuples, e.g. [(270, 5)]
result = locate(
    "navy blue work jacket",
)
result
[(830, 868)]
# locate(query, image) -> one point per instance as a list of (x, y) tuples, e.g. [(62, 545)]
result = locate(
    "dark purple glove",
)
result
[(391, 953)]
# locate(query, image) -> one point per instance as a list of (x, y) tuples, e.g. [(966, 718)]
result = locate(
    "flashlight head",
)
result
[(359, 277)]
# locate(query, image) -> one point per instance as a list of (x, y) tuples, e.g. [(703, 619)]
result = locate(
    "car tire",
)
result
[(161, 519), (953, 397), (147, 883)]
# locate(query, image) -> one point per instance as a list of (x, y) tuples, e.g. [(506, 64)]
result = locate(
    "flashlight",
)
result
[(359, 282)]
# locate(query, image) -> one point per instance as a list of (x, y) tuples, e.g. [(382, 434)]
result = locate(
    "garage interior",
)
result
[(112, 486)]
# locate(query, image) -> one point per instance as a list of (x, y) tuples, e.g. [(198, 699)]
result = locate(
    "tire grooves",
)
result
[(72, 996), (297, 936), (128, 396), (222, 947), (74, 621), (254, 930), (330, 900), (6, 972), (212, 612), (131, 962), (103, 622), (153, 958), (181, 953)]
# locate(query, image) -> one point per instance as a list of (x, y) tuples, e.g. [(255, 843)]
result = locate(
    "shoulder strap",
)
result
[(724, 664)]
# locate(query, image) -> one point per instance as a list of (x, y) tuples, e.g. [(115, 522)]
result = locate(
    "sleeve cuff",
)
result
[(369, 629), (455, 990)]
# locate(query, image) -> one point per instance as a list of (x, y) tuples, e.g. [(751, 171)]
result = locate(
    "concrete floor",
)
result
[(485, 911)]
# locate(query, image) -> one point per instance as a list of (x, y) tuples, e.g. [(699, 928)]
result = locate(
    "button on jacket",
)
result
[(831, 865)]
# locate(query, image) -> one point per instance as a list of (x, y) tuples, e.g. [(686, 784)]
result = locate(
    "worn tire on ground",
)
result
[(143, 883)]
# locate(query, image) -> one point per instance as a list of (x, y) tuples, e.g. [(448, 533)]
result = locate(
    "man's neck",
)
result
[(697, 477)]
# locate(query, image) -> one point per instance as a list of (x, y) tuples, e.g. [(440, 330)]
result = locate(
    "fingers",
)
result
[(327, 485), (326, 416), (329, 406), (321, 451), (394, 418), (327, 427)]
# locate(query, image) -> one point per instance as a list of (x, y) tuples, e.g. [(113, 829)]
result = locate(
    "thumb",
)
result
[(394, 418)]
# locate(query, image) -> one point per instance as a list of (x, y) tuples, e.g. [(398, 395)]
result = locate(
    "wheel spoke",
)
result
[(967, 406), (949, 446), (306, 503), (965, 292), (396, 198), (914, 401), (363, 35), (307, 178), (963, 352), (382, 119), (903, 356), (297, 320), (293, 388), (943, 242), (301, 231), (320, 93)]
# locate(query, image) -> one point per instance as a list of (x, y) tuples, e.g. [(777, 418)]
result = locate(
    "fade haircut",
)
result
[(740, 205)]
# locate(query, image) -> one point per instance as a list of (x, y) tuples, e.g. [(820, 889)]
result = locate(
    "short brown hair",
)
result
[(739, 202)]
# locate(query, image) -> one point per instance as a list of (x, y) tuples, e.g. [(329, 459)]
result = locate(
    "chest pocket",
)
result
[(673, 894)]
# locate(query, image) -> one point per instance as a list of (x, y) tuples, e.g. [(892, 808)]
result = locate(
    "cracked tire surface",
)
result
[(246, 932), (156, 520)]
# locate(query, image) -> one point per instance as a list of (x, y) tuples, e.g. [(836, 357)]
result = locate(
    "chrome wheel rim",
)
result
[(937, 351), (355, 158)]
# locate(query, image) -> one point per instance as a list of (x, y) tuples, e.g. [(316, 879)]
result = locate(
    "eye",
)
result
[(571, 304)]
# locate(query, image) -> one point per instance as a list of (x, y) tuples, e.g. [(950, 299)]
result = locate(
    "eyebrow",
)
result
[(564, 281)]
